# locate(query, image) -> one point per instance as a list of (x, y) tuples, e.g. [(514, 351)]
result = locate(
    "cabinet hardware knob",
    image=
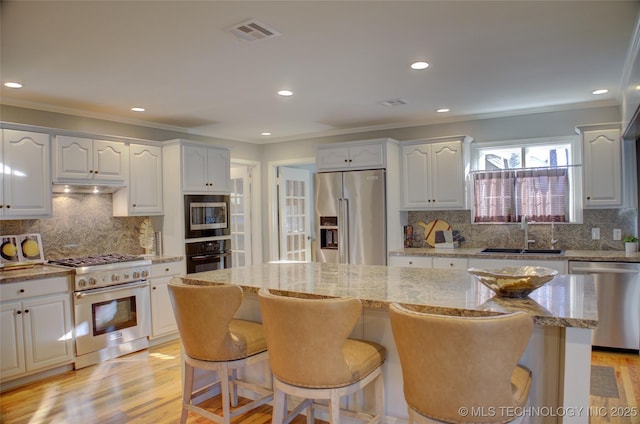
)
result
[(167, 269), (350, 160), (21, 290), (410, 262), (153, 288), (26, 311), (95, 172), (8, 206), (18, 312), (346, 160), (588, 197), (134, 205)]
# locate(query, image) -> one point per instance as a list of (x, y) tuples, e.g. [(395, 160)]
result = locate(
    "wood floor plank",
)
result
[(145, 387)]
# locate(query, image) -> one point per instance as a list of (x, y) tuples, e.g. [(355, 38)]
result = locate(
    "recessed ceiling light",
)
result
[(419, 65), (443, 110), (600, 91), (137, 109), (285, 93), (265, 133), (12, 84)]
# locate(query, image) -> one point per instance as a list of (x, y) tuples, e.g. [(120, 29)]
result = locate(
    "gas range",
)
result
[(93, 272)]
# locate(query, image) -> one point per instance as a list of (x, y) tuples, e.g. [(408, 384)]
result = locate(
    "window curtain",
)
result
[(493, 196), (542, 194)]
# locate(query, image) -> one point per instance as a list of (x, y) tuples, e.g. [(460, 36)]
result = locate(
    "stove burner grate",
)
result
[(83, 261)]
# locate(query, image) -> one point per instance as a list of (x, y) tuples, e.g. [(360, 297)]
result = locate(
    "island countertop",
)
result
[(566, 301)]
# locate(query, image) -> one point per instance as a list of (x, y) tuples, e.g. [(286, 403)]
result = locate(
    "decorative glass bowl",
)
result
[(514, 281)]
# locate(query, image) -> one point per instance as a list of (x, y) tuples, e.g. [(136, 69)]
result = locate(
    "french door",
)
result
[(294, 213)]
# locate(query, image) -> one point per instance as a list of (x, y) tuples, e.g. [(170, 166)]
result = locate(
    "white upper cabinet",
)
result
[(351, 156), (602, 167), (25, 183), (89, 161), (205, 169), (433, 175), (143, 194)]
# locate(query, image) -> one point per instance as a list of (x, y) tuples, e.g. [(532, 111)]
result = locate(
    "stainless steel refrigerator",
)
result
[(351, 217)]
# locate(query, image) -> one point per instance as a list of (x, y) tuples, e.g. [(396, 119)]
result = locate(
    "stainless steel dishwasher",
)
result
[(618, 290)]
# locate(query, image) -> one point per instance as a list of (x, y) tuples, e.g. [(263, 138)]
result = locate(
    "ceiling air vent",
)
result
[(253, 30), (392, 102)]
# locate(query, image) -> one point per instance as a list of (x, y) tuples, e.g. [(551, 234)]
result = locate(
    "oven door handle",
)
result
[(205, 257), (110, 289)]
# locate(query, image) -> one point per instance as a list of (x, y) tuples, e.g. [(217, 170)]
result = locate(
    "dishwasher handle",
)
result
[(603, 270)]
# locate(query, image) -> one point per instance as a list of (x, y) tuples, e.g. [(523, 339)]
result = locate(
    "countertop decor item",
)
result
[(514, 281), (431, 228), (630, 244), (21, 250), (147, 236)]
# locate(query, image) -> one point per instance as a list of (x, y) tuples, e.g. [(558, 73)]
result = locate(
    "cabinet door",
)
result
[(110, 160), (194, 168), (332, 158), (73, 158), (219, 172), (48, 333), (450, 263), (145, 179), (12, 346), (27, 184), (162, 319), (416, 163), (602, 170), (411, 261), (367, 156), (447, 176)]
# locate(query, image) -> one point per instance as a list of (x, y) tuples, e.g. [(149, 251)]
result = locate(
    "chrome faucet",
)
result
[(524, 222)]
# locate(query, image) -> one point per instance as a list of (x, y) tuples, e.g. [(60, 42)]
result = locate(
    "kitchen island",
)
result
[(559, 352)]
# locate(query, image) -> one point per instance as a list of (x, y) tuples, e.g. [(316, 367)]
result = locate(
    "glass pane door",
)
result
[(294, 198), (240, 200)]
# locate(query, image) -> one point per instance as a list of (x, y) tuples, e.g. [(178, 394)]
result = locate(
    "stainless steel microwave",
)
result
[(206, 215)]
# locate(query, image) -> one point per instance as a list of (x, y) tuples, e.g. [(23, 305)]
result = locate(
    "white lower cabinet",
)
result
[(450, 263), (411, 261), (163, 321), (36, 332), (561, 266)]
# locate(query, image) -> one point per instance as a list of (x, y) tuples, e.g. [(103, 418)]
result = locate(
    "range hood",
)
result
[(85, 188)]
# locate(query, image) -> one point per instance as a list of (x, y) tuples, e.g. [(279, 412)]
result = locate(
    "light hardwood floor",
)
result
[(145, 387)]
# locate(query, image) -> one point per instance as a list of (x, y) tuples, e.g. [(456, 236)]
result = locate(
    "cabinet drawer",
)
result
[(411, 261), (32, 288), (450, 263), (167, 268)]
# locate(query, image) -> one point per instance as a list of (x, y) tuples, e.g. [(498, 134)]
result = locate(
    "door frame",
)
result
[(256, 205), (272, 180)]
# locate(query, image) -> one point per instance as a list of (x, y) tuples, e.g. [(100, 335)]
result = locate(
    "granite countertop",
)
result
[(568, 255), (35, 272), (566, 301)]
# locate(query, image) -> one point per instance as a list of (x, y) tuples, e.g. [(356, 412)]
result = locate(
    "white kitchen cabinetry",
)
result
[(205, 169), (450, 263), (83, 160), (143, 194), (25, 181), (561, 266), (163, 321), (36, 326), (411, 261), (602, 167), (433, 175), (351, 156)]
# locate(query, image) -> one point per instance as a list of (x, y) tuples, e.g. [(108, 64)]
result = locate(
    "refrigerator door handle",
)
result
[(345, 232)]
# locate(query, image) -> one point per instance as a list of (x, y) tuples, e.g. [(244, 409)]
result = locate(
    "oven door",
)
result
[(111, 316), (208, 262)]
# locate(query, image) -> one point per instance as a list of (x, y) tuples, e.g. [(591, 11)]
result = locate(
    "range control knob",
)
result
[(115, 277), (126, 276), (136, 275), (92, 281), (82, 283), (145, 274)]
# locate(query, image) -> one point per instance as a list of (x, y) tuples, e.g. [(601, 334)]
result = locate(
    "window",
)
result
[(532, 178)]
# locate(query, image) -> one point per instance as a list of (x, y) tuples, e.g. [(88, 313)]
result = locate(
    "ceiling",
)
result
[(179, 61)]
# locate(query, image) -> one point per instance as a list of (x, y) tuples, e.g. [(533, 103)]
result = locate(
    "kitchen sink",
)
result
[(501, 250)]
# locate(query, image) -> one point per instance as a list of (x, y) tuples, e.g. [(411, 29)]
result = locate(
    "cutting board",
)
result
[(430, 229)]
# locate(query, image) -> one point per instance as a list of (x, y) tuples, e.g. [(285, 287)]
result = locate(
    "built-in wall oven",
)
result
[(111, 306), (206, 215), (208, 255)]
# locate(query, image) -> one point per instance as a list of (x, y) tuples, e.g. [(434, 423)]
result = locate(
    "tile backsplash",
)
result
[(82, 224), (569, 236)]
